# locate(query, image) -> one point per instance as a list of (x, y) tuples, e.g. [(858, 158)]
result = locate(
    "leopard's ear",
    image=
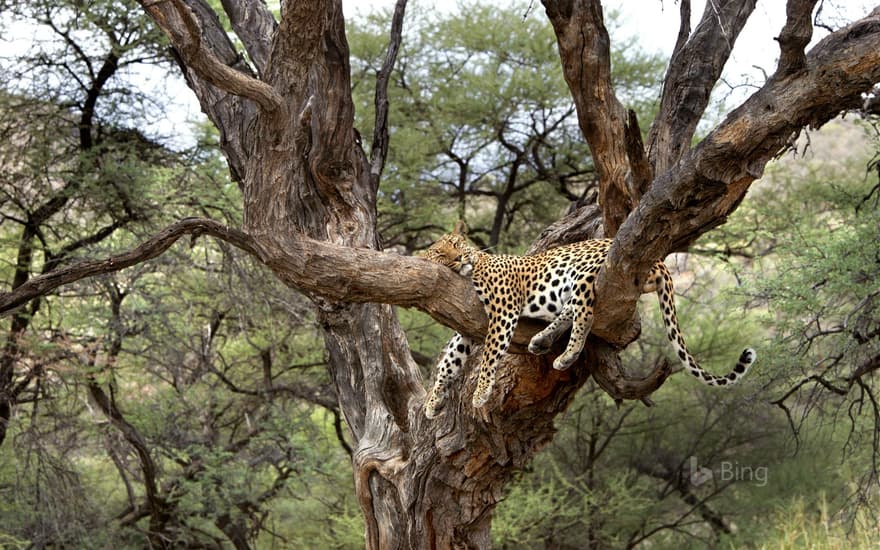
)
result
[(460, 228)]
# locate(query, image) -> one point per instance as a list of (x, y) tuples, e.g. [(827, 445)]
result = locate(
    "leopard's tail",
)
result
[(666, 295)]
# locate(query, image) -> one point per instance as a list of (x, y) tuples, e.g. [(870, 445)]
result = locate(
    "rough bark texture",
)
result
[(310, 216), (694, 69), (585, 49)]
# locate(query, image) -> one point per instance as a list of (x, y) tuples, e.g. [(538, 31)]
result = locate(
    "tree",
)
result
[(83, 174), (816, 279), (285, 114)]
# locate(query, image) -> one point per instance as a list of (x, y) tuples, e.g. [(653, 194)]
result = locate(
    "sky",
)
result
[(653, 22)]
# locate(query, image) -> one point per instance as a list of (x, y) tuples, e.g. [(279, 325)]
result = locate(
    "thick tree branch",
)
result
[(255, 25), (342, 274), (795, 36), (179, 23), (296, 44), (232, 115), (684, 27), (611, 376), (700, 191), (355, 275), (694, 69), (585, 49), (316, 158)]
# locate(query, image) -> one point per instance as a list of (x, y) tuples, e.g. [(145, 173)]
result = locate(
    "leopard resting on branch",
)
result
[(555, 286)]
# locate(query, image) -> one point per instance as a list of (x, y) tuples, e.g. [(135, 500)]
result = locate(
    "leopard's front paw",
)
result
[(539, 344), (564, 361)]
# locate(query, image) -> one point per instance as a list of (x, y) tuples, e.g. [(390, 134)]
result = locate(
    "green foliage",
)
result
[(482, 124), (814, 236), (226, 441), (823, 268)]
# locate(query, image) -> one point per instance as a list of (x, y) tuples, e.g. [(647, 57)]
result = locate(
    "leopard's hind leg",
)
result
[(455, 354)]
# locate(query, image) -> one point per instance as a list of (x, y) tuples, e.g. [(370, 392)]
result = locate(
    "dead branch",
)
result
[(379, 149), (642, 173)]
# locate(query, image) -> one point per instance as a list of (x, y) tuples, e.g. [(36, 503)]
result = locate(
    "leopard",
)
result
[(556, 286)]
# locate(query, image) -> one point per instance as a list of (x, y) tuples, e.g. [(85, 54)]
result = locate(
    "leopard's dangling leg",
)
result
[(541, 342), (455, 354), (492, 353), (502, 325), (581, 304)]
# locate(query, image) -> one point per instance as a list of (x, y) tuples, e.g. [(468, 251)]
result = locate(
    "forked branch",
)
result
[(180, 25), (694, 69), (709, 181)]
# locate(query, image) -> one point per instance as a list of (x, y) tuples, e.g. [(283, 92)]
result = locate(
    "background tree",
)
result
[(285, 116), (79, 187), (501, 147)]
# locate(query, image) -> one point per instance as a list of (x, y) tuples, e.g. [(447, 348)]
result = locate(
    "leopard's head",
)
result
[(452, 250)]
